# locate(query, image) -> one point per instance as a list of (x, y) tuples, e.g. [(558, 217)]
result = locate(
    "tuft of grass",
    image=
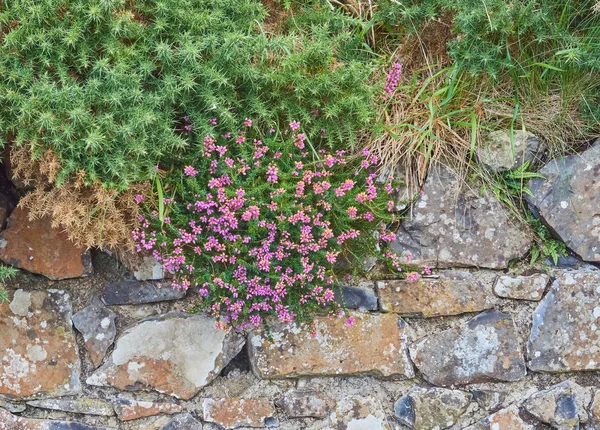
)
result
[(6, 273)]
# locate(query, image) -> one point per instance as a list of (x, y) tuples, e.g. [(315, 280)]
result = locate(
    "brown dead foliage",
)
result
[(91, 215)]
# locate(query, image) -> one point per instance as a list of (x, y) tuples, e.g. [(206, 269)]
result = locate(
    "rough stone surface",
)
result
[(355, 413), (149, 270), (498, 153), (565, 335), (450, 229), (234, 412), (562, 406), (9, 421), (595, 408), (522, 287), (306, 404), (432, 297), (375, 345), (175, 353), (183, 422), (357, 297), (568, 200), (12, 407), (97, 325), (38, 353), (128, 410), (505, 419), (434, 408), (87, 406), (485, 349), (488, 400), (37, 247), (135, 293)]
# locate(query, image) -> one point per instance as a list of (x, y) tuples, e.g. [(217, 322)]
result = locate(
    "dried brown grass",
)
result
[(92, 216)]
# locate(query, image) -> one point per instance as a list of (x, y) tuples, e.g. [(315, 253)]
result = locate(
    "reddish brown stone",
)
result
[(432, 297), (375, 345), (233, 412), (37, 247), (128, 410), (38, 354), (506, 419)]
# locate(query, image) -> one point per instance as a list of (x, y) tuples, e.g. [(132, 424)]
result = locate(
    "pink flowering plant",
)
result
[(258, 221)]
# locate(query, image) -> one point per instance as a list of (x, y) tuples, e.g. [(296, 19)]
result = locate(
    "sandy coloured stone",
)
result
[(232, 413), (37, 247), (567, 198), (595, 407), (522, 287), (306, 404), (97, 325), (433, 408), (137, 292), (355, 413), (149, 269), (175, 354), (432, 297), (486, 348), (499, 152), (128, 410), (38, 352), (562, 405), (505, 419), (9, 421), (565, 335), (375, 345), (183, 421), (452, 224), (87, 406)]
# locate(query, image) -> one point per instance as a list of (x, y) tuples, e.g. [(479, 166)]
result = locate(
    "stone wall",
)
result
[(486, 342)]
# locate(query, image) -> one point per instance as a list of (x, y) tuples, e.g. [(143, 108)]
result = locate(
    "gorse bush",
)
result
[(104, 83), (257, 223)]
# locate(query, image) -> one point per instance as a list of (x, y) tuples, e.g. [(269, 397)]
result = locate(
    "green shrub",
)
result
[(104, 83)]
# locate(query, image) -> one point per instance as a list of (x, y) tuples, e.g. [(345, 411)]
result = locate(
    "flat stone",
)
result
[(433, 408), (432, 297), (486, 348), (9, 421), (505, 419), (128, 410), (567, 199), (565, 335), (12, 407), (175, 353), (149, 270), (357, 297), (376, 345), (234, 412), (499, 154), (488, 400), (183, 421), (87, 406), (306, 404), (459, 228), (97, 325), (595, 407), (562, 405), (522, 287), (135, 293), (38, 352), (355, 413), (37, 247)]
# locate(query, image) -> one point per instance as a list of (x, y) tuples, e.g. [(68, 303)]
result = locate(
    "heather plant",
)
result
[(103, 84), (257, 223)]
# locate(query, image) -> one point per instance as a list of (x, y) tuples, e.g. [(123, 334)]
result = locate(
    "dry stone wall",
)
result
[(477, 345)]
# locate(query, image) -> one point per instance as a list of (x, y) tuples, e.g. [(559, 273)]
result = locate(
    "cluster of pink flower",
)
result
[(262, 240), (393, 80)]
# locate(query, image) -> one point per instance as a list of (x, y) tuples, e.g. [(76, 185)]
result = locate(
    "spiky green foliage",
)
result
[(6, 273), (105, 83)]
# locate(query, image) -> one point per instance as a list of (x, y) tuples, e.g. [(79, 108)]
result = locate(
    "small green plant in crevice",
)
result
[(6, 273), (547, 245)]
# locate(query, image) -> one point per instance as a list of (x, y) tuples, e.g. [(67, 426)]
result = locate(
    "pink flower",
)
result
[(190, 171), (427, 270), (213, 121), (350, 321), (412, 276), (139, 198), (294, 125), (248, 122)]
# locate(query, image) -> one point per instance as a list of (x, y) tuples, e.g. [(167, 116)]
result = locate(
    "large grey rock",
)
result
[(522, 287), (360, 297), (562, 406), (488, 400), (9, 421), (454, 225), (434, 408), (498, 153), (175, 353), (568, 200), (12, 407), (97, 325), (305, 404), (487, 348), (565, 335), (87, 406), (134, 293)]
